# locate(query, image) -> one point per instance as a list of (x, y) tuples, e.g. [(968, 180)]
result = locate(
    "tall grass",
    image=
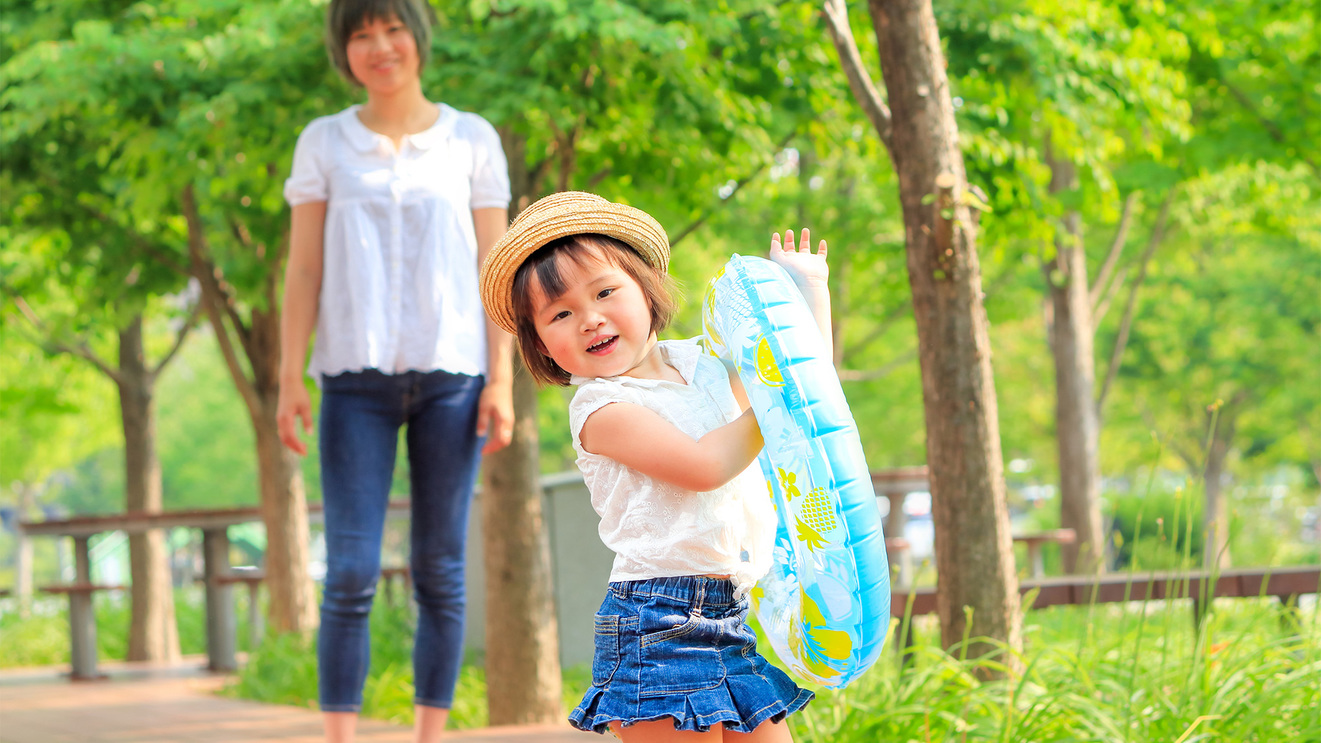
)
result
[(1132, 672), (1121, 672)]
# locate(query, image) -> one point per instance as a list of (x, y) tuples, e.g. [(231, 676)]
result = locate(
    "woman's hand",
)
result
[(495, 416), (294, 405)]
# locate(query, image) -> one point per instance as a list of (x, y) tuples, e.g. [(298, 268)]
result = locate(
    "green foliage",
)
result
[(1095, 673), (42, 639), (1107, 672)]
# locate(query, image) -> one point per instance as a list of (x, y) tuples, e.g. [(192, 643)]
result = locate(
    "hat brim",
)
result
[(554, 217)]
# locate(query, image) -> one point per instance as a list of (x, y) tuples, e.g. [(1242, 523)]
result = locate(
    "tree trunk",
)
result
[(292, 599), (1215, 549), (153, 634), (974, 553), (1076, 426), (523, 678)]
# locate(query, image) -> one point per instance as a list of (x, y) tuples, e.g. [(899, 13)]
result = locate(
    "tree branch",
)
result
[(193, 316), (740, 183), (856, 375), (81, 350), (1103, 306), (207, 273), (214, 302), (1126, 324), (1112, 257), (1271, 127), (836, 13)]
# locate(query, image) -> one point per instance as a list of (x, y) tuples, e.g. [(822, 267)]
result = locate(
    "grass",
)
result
[(1109, 672), (1101, 673), (42, 638)]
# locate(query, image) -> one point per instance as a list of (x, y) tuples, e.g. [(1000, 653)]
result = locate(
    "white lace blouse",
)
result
[(399, 283), (656, 529)]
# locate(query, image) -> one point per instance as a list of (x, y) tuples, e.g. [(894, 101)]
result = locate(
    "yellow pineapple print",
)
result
[(768, 371), (818, 511)]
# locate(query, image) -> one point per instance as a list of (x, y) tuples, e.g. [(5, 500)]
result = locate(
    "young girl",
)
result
[(664, 439), (395, 202)]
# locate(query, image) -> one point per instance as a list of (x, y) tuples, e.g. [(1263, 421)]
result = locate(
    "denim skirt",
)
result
[(678, 648)]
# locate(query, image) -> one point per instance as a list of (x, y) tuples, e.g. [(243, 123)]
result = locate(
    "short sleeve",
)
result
[(490, 172), (307, 181), (593, 396)]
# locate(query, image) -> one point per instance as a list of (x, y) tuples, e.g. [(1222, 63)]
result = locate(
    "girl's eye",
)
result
[(560, 315), (605, 293)]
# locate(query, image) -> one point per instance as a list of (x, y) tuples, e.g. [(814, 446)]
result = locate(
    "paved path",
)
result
[(145, 704)]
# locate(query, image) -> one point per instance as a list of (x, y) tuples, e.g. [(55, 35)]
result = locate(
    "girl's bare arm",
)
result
[(640, 438)]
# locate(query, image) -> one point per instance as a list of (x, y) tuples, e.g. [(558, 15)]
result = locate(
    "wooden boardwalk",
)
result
[(145, 704)]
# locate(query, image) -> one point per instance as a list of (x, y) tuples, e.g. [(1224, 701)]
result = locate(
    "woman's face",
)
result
[(382, 55)]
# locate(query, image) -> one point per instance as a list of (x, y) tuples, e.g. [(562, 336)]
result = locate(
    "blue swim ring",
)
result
[(825, 604)]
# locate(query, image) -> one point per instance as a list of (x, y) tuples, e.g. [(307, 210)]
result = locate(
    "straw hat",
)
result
[(560, 215)]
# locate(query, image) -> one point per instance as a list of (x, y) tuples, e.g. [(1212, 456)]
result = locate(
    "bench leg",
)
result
[(256, 620), (221, 629), (82, 631), (82, 617)]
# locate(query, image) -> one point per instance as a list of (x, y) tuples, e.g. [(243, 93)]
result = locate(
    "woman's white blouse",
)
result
[(658, 530), (399, 279)]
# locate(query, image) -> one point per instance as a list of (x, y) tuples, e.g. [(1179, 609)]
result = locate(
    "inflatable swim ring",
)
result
[(825, 604)]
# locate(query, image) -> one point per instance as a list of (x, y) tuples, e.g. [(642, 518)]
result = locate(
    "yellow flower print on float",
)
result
[(824, 606)]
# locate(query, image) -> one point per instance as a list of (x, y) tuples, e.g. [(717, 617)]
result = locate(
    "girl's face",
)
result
[(600, 326), (382, 55)]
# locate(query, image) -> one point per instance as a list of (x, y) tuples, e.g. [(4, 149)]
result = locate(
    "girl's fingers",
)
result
[(805, 243), (821, 249), (789, 241)]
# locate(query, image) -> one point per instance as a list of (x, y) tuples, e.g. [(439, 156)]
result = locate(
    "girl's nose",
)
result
[(591, 321)]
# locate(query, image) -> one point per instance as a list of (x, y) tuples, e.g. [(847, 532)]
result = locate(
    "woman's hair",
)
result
[(343, 17), (545, 263)]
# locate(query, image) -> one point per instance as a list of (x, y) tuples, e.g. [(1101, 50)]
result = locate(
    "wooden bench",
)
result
[(391, 575), (1034, 540), (252, 578), (1284, 583), (82, 626)]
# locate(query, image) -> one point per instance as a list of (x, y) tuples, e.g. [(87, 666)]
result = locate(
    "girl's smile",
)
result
[(600, 325)]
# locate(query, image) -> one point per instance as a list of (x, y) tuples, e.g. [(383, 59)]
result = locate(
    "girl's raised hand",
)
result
[(808, 269)]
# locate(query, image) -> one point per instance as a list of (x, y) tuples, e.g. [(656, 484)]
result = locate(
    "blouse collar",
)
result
[(366, 140)]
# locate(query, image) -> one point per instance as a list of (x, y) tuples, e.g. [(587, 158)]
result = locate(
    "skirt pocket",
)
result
[(679, 653), (605, 656)]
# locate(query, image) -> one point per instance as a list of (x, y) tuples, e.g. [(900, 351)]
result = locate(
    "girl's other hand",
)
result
[(294, 405), (808, 269)]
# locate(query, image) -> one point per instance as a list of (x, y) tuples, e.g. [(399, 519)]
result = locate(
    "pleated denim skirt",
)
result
[(679, 648)]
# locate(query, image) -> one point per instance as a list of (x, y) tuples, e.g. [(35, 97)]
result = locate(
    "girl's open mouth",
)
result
[(604, 345)]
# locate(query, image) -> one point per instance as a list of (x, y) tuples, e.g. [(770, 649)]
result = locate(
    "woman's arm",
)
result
[(298, 313), (640, 438), (495, 417)]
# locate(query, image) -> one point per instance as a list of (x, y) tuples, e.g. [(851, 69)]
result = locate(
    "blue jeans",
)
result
[(361, 413)]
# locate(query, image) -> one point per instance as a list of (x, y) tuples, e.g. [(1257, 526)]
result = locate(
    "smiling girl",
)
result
[(664, 437)]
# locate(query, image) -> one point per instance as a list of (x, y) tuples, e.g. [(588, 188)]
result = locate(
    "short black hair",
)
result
[(343, 17)]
